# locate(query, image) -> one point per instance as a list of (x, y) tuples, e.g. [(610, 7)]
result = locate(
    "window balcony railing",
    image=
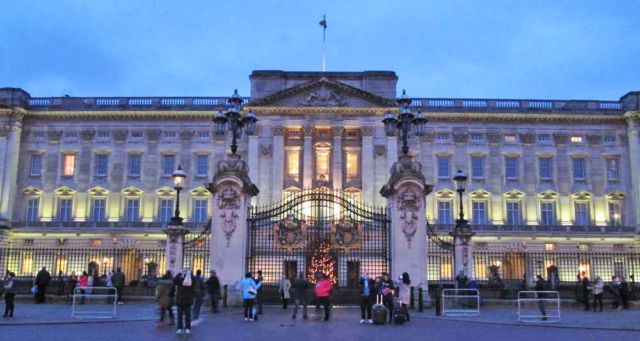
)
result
[(88, 225), (543, 229)]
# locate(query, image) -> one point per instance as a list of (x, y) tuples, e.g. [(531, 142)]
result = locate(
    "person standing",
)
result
[(585, 290), (249, 289), (624, 293), (60, 283), (71, 284), (258, 281), (404, 286), (83, 284), (186, 290), (285, 295), (598, 289), (9, 295), (541, 286), (301, 286), (323, 294), (198, 282), (213, 286), (386, 289), (119, 282), (367, 290), (165, 296), (461, 280), (42, 281)]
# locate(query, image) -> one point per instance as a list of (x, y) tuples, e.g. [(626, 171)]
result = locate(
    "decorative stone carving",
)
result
[(323, 97), (527, 138), (266, 150), (594, 139), (346, 234), (337, 132), (404, 167), (408, 204), (494, 137), (186, 135), (153, 134), (278, 130), (229, 203), (87, 135), (560, 138), (54, 135), (120, 135), (307, 131), (367, 131), (379, 150), (234, 166), (460, 137), (290, 233)]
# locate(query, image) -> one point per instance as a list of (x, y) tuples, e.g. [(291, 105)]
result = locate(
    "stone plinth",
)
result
[(174, 249)]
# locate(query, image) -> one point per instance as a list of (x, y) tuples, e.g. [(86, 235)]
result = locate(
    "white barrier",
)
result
[(539, 306), (460, 302), (94, 303)]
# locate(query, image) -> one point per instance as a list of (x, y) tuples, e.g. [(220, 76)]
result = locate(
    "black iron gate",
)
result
[(285, 238)]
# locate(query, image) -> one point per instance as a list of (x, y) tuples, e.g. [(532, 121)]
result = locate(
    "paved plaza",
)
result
[(137, 322)]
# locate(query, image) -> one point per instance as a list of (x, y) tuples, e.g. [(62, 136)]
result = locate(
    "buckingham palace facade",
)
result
[(88, 179)]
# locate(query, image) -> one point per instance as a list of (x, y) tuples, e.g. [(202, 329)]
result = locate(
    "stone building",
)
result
[(88, 179)]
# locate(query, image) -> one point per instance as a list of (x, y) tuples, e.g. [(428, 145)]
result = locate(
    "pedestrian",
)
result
[(585, 290), (367, 289), (615, 290), (249, 292), (119, 281), (598, 288), (108, 282), (198, 282), (624, 293), (285, 295), (83, 284), (90, 279), (300, 286), (386, 289), (541, 286), (9, 295), (461, 280), (213, 286), (60, 283), (259, 297), (323, 294), (70, 286), (42, 281), (165, 297), (185, 293), (404, 288)]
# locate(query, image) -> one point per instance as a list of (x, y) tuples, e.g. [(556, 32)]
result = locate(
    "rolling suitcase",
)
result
[(379, 311), (399, 313)]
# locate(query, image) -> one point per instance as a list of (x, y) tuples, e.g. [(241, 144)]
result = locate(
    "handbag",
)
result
[(34, 289), (252, 291)]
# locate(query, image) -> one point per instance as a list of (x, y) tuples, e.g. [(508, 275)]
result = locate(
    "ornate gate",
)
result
[(317, 226)]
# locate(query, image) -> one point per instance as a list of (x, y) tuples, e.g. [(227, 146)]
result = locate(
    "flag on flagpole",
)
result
[(323, 22)]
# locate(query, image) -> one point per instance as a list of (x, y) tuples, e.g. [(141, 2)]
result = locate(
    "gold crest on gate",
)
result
[(346, 234), (290, 233)]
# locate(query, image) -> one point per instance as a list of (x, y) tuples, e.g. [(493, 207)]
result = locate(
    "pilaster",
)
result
[(307, 158), (9, 173), (336, 164), (277, 168), (633, 133), (368, 182)]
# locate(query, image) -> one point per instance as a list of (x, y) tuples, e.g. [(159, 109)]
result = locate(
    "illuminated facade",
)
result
[(544, 175)]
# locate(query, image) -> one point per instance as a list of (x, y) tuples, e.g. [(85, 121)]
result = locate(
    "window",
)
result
[(132, 210), (613, 165), (203, 134), (102, 163), (582, 214), (352, 165), (169, 135), (202, 165), (547, 214), (322, 163), (166, 208), (510, 138), (293, 163), (514, 214), (544, 138), (71, 135), (64, 209), (168, 164), (445, 214), (98, 210), (39, 135), (545, 165), (576, 139), (609, 139), (579, 170), (443, 166), (511, 167), (477, 167), (68, 164), (36, 165), (104, 135), (549, 247), (477, 137), (136, 135), (135, 164), (479, 212), (33, 206), (200, 211), (615, 214), (442, 136)]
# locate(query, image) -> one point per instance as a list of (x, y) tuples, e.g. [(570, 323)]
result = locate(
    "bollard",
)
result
[(412, 304), (420, 300), (438, 302), (224, 296)]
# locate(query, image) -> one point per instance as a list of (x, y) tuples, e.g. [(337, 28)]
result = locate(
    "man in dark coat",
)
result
[(541, 285), (367, 291), (118, 282), (42, 281), (300, 288), (185, 295), (213, 286), (198, 282), (259, 280), (585, 290)]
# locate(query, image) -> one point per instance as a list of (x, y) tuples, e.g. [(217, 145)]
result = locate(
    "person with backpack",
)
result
[(249, 289), (367, 289), (165, 296), (300, 286), (185, 293)]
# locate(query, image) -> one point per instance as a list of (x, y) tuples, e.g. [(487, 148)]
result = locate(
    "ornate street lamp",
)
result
[(233, 120), (179, 177), (402, 124), (460, 180)]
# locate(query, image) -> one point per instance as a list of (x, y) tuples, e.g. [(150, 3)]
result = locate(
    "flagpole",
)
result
[(323, 23)]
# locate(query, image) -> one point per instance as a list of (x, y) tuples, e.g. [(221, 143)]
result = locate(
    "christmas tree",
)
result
[(321, 263)]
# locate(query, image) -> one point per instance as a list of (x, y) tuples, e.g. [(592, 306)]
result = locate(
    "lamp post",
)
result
[(463, 251), (174, 247), (234, 121), (178, 184), (402, 123)]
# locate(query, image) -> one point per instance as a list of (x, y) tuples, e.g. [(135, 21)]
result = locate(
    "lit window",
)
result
[(293, 163), (511, 167), (545, 165), (583, 247), (443, 166), (166, 208), (200, 211), (168, 164), (576, 139), (202, 165), (322, 164), (615, 214), (36, 165), (133, 210), (68, 164), (477, 167), (547, 213), (102, 163), (98, 210), (514, 213), (579, 170), (64, 209), (510, 138), (583, 217), (479, 212), (613, 169), (550, 247), (32, 210), (352, 165), (445, 214), (135, 164)]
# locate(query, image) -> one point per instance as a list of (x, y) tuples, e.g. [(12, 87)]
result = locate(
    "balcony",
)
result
[(526, 230), (76, 227)]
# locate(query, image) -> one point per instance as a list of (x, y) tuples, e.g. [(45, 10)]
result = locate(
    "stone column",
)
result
[(367, 165), (307, 158), (405, 192), (392, 151), (232, 190), (253, 152), (463, 250), (277, 168), (337, 169), (633, 133), (12, 130), (174, 249)]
